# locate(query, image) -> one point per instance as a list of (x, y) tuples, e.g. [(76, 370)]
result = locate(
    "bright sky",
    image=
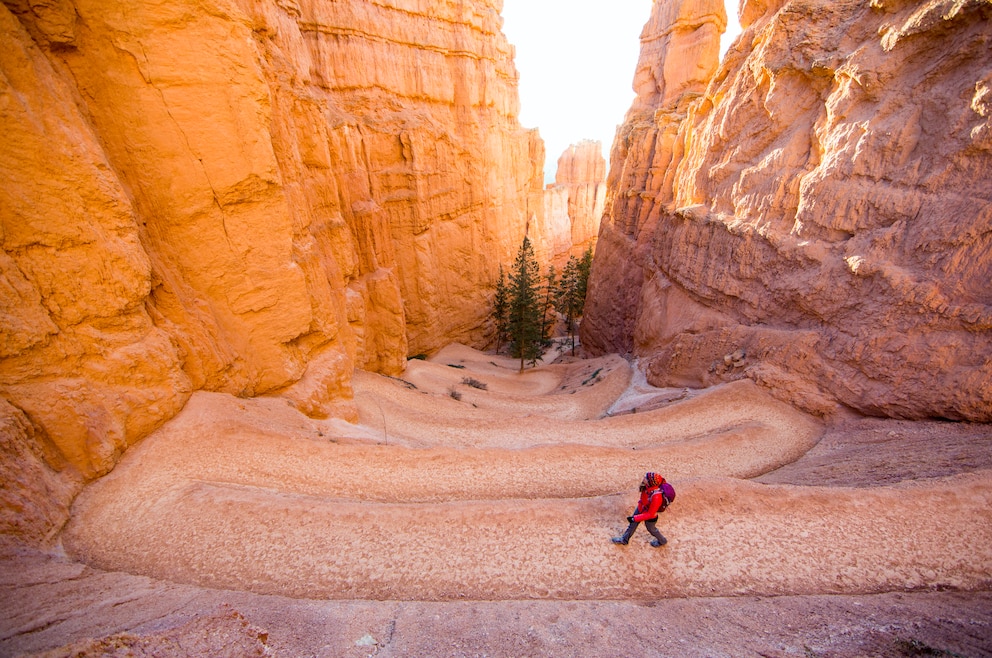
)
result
[(576, 60)]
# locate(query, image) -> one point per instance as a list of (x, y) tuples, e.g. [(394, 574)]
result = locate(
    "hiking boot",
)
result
[(620, 540), (659, 542)]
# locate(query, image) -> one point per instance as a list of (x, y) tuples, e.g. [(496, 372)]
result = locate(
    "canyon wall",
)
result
[(582, 171), (572, 205), (815, 213), (247, 196)]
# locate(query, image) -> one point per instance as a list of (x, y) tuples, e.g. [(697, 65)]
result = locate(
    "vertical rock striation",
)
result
[(572, 206), (84, 368), (247, 196), (815, 214), (582, 171)]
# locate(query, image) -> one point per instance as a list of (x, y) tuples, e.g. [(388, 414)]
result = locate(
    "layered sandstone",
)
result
[(814, 214), (582, 171), (243, 196), (572, 205)]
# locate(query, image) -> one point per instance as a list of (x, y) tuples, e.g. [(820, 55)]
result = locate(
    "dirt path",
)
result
[(276, 508), (508, 492)]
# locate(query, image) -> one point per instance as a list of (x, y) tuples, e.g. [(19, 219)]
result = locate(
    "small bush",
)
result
[(594, 376), (475, 383), (455, 394)]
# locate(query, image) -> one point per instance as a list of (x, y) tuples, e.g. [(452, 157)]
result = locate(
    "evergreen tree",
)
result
[(565, 299), (524, 322), (550, 291), (585, 267), (501, 309), (570, 299)]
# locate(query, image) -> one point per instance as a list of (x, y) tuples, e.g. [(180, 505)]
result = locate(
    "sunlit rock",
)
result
[(820, 202), (573, 205), (246, 197)]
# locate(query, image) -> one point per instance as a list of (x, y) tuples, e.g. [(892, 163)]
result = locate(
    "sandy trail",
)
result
[(500, 501)]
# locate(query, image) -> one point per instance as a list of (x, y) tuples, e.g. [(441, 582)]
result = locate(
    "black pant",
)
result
[(650, 525)]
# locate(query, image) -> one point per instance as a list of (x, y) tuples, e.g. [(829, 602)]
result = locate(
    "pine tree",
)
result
[(550, 287), (565, 297), (501, 309), (585, 267), (524, 323), (570, 299)]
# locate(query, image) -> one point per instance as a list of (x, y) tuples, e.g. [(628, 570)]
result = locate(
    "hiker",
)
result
[(656, 495)]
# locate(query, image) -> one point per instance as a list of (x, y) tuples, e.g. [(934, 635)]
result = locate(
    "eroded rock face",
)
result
[(816, 214), (573, 205), (80, 353), (253, 197), (582, 170)]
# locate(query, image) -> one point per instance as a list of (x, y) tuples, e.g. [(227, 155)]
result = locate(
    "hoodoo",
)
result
[(814, 213), (573, 205)]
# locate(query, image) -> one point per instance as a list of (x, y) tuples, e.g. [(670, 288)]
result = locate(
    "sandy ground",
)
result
[(470, 511)]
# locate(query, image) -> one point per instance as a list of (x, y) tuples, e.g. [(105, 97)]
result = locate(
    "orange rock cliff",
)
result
[(815, 213), (582, 171), (573, 205), (242, 196), (258, 197)]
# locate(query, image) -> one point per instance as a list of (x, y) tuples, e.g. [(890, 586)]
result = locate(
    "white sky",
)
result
[(576, 60)]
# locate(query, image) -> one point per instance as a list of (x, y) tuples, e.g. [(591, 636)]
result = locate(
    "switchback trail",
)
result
[(466, 479)]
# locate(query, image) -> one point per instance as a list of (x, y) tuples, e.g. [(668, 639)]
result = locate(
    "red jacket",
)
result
[(648, 506)]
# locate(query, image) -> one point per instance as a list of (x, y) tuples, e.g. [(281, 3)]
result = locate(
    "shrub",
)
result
[(475, 383)]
